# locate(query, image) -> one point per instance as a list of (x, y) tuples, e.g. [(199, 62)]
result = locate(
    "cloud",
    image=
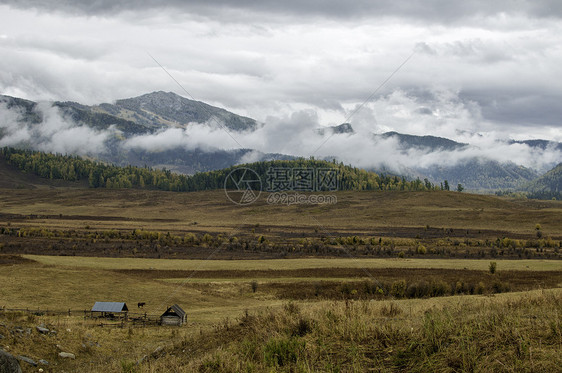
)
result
[(54, 134), (432, 10), (438, 112), (266, 59)]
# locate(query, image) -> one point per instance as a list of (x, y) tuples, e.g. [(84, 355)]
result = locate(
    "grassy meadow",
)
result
[(380, 281)]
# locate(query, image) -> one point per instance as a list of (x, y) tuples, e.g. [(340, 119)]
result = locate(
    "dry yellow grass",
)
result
[(354, 211), (287, 264)]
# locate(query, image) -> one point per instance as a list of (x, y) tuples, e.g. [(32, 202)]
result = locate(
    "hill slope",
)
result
[(12, 177), (100, 175), (548, 185)]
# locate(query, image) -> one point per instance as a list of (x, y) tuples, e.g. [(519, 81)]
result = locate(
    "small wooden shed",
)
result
[(110, 309), (174, 315)]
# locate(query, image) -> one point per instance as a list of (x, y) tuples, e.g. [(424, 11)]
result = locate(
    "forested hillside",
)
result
[(101, 175), (548, 185)]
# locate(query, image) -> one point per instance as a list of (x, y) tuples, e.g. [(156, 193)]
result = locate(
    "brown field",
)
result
[(244, 272)]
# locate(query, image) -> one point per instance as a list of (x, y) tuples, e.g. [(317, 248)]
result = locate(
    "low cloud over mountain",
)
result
[(164, 129)]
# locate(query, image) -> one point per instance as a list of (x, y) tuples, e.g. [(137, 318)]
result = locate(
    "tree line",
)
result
[(103, 175)]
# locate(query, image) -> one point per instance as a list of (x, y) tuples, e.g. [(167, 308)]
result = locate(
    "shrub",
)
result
[(302, 328), (438, 289), (254, 285), (500, 287), (282, 352), (398, 289), (480, 288), (493, 267)]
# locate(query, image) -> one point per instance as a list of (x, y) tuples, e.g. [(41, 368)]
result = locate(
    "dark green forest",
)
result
[(102, 175)]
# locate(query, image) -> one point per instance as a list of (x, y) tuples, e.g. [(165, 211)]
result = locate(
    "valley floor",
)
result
[(394, 281)]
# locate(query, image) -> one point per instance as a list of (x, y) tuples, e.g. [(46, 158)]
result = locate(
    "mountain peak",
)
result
[(336, 130), (170, 108), (431, 142)]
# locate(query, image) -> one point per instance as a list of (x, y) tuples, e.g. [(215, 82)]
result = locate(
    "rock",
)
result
[(91, 344), (43, 362), (67, 355), (28, 360), (159, 351), (8, 363), (42, 330)]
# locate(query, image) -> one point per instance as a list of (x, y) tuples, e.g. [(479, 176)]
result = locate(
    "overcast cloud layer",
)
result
[(478, 66)]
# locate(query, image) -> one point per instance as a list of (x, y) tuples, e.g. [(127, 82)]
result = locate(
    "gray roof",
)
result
[(109, 307), (175, 309)]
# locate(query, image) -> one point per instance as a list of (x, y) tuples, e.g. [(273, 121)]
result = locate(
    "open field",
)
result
[(506, 332), (355, 212), (202, 225), (367, 276), (292, 264)]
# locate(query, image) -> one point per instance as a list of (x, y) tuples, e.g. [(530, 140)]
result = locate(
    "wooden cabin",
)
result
[(174, 315)]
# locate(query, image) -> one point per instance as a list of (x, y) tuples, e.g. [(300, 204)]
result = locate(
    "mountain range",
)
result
[(152, 113)]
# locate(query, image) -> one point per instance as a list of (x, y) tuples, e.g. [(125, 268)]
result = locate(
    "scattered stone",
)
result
[(42, 330), (67, 355), (91, 344), (8, 363), (28, 360), (43, 362), (19, 331), (157, 351)]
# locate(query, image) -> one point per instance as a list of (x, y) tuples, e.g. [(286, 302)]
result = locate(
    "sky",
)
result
[(460, 70)]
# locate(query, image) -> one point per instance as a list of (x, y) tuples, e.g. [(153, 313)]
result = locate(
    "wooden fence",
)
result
[(131, 319)]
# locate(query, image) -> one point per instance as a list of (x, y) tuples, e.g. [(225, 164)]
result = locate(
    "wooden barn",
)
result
[(174, 315), (110, 309)]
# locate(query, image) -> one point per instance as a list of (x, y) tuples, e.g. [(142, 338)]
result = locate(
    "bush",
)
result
[(280, 352), (500, 287), (302, 328), (492, 267), (254, 285), (480, 288), (398, 289)]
